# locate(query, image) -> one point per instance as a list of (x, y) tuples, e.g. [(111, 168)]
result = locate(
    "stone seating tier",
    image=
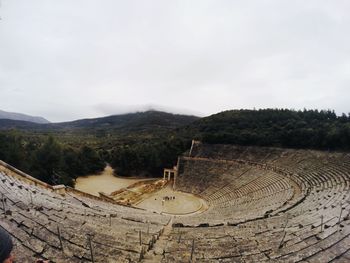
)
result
[(265, 205)]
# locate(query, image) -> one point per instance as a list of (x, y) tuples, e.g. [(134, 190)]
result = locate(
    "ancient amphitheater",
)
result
[(264, 204)]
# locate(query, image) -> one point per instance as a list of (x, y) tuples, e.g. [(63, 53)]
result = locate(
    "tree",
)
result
[(47, 163), (90, 161)]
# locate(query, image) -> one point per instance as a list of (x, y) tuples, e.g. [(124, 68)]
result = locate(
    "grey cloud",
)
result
[(73, 59)]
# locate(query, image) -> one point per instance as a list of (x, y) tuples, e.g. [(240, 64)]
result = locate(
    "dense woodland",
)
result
[(147, 158), (282, 128), (147, 143), (48, 160)]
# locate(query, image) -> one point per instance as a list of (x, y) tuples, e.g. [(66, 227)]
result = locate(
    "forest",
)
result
[(312, 129), (150, 143), (48, 160)]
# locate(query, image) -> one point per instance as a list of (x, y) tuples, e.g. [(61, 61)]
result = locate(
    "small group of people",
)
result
[(6, 247), (167, 198)]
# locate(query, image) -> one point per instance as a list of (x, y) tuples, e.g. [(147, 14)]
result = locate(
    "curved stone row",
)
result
[(235, 191), (266, 205), (73, 228), (313, 226)]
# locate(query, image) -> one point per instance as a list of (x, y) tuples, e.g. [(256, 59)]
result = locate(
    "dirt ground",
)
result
[(183, 203), (105, 182)]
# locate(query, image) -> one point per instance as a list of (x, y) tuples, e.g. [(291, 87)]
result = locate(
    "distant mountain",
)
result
[(140, 121), (22, 117)]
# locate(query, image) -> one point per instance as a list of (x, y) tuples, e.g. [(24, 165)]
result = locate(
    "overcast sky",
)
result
[(70, 59)]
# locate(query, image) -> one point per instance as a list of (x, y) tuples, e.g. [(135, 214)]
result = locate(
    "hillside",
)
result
[(144, 143), (8, 124), (21, 117), (140, 121), (270, 127), (275, 127), (130, 122)]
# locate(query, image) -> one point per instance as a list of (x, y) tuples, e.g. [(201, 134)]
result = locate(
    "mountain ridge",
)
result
[(138, 120), (22, 117)]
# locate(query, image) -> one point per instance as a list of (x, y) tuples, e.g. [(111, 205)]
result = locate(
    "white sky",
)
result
[(70, 59)]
